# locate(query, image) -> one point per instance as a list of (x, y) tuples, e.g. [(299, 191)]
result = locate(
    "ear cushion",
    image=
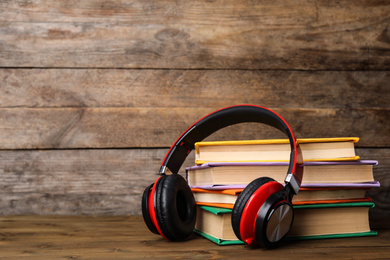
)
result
[(175, 207), (145, 210), (243, 199)]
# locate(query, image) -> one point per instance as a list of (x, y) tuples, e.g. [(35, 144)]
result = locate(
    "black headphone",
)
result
[(262, 214)]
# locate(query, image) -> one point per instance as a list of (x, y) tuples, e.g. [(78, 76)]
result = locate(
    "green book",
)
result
[(336, 220), (219, 241), (215, 225), (368, 204), (331, 220)]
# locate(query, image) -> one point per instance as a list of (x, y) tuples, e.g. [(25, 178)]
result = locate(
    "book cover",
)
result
[(327, 149), (328, 140), (215, 224), (226, 198), (268, 150), (338, 171), (331, 220), (318, 221), (235, 173), (308, 149), (368, 185), (219, 241), (344, 235), (232, 173)]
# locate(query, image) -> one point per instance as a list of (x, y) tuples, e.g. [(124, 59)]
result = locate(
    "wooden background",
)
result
[(93, 92)]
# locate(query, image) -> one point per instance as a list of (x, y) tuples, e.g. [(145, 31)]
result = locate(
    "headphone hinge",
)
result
[(164, 170), (292, 182)]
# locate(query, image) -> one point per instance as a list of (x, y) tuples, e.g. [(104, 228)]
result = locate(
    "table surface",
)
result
[(127, 237)]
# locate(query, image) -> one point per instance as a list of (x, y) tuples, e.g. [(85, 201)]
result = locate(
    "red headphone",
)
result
[(262, 214)]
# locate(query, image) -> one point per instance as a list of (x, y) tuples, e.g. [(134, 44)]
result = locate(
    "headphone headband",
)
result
[(226, 117)]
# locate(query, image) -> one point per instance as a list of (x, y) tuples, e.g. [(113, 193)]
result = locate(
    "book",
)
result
[(327, 220), (310, 222), (338, 172), (271, 150), (326, 149), (219, 198), (242, 151), (332, 200), (308, 194), (234, 173), (330, 195), (215, 225), (231, 173)]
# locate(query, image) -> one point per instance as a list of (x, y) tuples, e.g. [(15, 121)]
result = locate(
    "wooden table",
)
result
[(126, 237)]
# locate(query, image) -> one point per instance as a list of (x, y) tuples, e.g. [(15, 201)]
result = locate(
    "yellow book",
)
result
[(326, 149), (276, 150)]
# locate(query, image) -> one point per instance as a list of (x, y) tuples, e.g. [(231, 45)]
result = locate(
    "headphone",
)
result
[(263, 213)]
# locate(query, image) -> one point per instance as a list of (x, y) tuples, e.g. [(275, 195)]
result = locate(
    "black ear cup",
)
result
[(175, 207), (243, 199), (274, 220)]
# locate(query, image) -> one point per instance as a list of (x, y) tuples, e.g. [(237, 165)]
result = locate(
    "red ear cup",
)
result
[(242, 200), (171, 208), (145, 209), (149, 209), (245, 212)]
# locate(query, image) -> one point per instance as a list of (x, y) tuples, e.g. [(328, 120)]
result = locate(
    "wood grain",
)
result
[(38, 128), (100, 108), (122, 237), (54, 88), (303, 35), (93, 92), (76, 181), (381, 173), (108, 181)]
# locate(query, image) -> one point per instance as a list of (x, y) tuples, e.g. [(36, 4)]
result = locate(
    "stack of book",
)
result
[(332, 200)]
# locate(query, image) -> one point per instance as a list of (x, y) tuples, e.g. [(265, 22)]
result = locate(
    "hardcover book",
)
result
[(308, 194), (313, 172), (337, 219), (271, 150), (215, 225), (310, 222)]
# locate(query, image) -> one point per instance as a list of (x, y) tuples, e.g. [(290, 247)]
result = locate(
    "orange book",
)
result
[(208, 197), (226, 198)]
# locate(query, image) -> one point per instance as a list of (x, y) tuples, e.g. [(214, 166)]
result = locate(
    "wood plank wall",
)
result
[(93, 92)]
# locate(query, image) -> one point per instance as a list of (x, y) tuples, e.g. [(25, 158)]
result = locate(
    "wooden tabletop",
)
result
[(126, 237)]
